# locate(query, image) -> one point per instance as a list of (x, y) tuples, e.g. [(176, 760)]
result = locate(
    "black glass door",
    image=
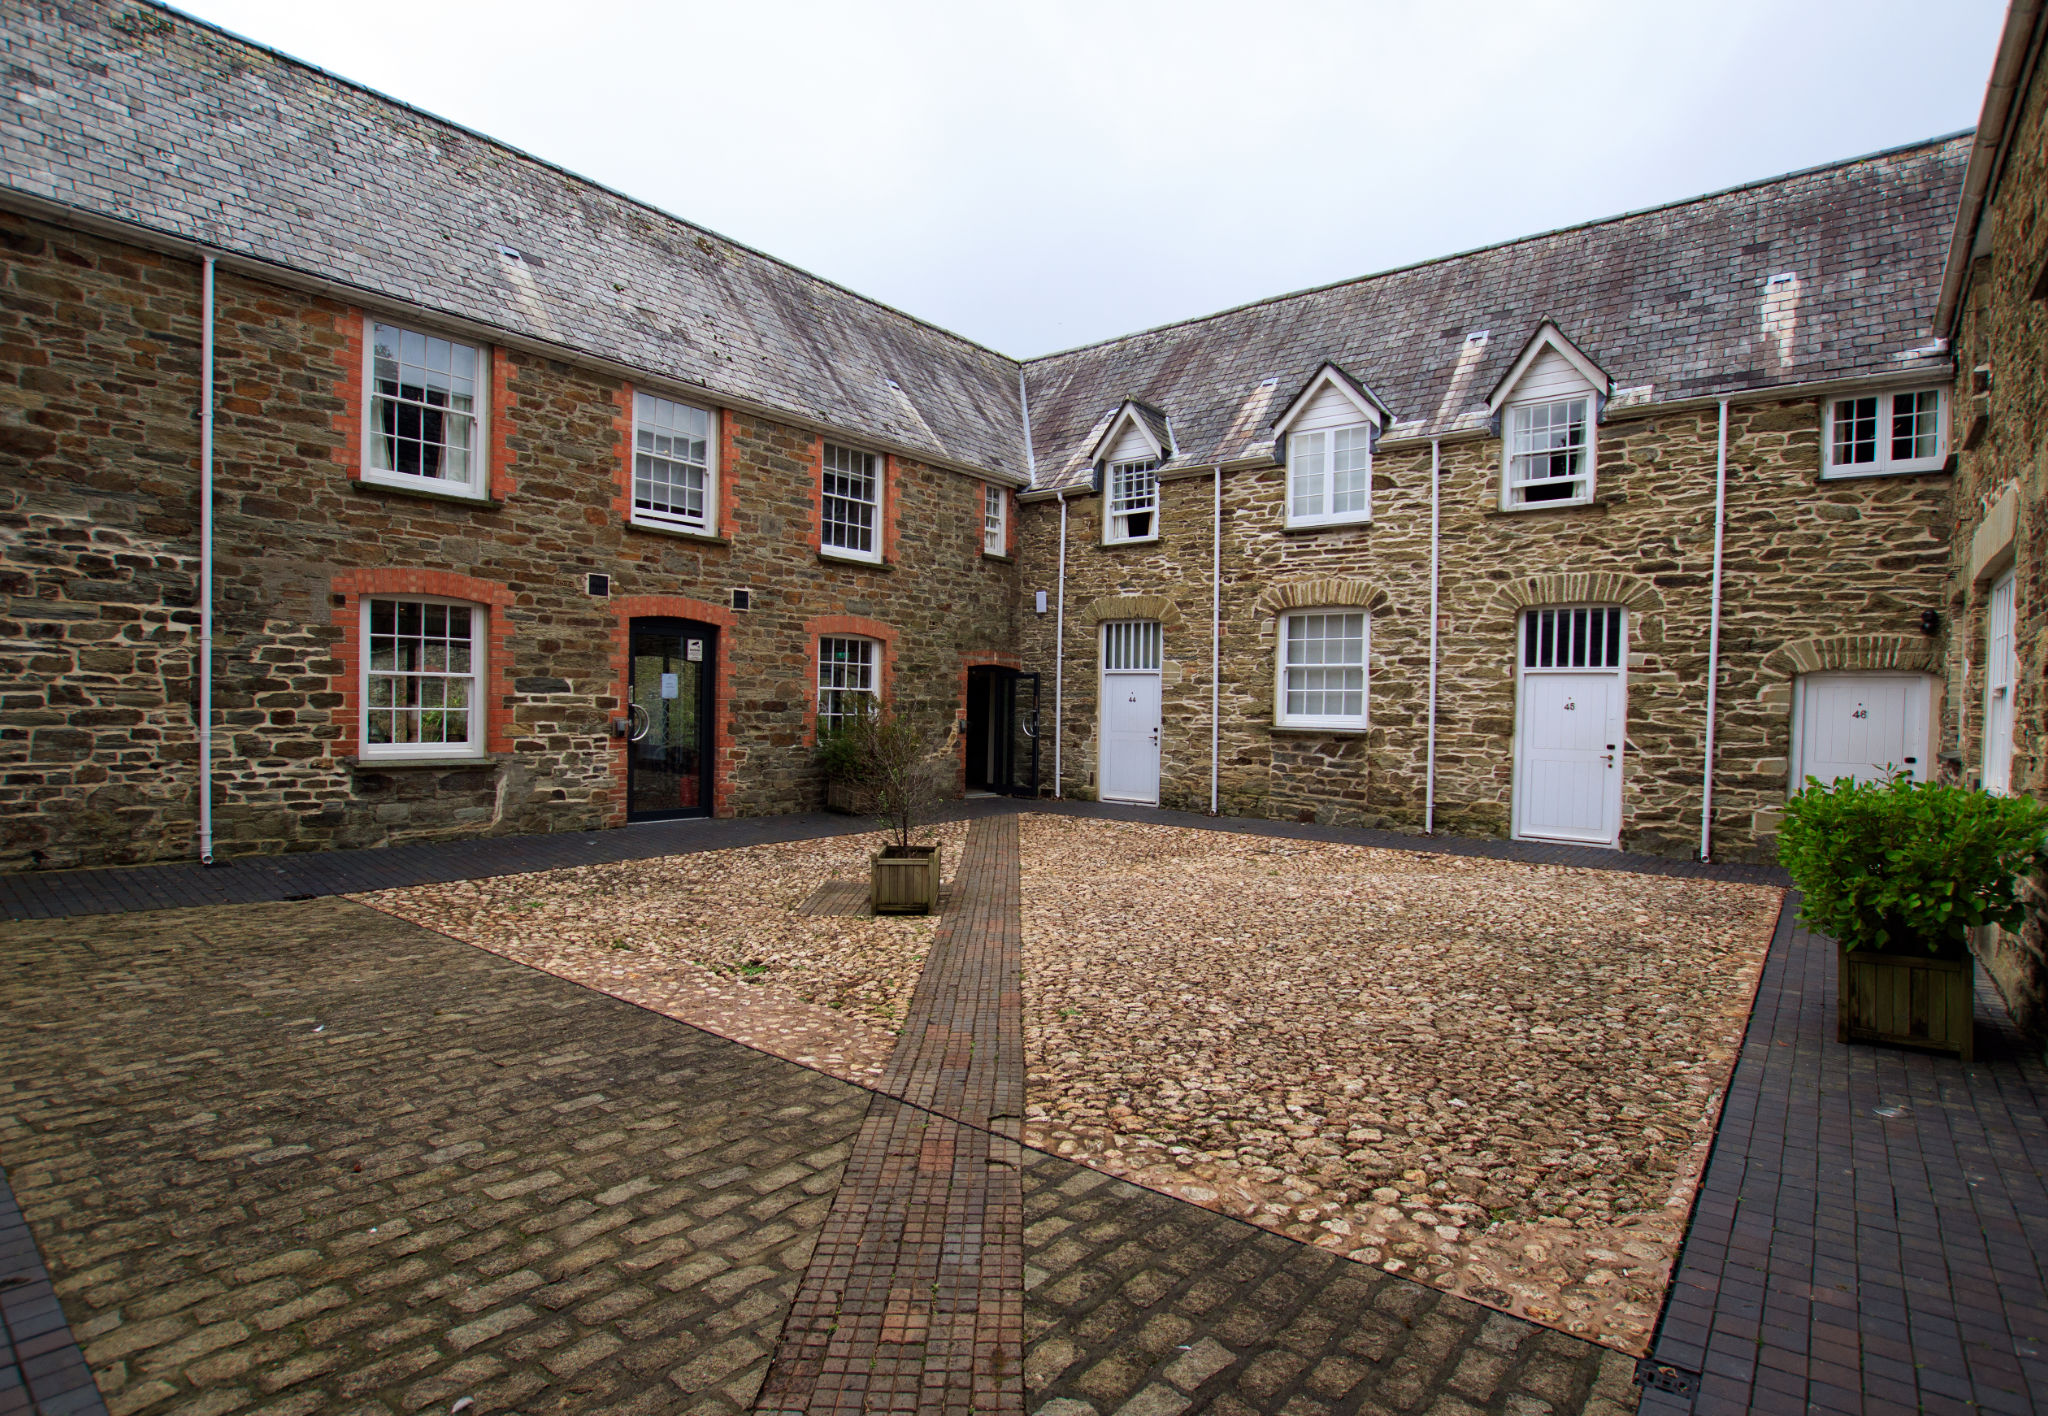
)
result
[(1023, 725), (669, 719)]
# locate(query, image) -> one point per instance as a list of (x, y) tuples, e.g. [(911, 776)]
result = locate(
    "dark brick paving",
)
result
[(41, 1368), (1872, 1227), (914, 1297), (299, 1158), (1141, 1304)]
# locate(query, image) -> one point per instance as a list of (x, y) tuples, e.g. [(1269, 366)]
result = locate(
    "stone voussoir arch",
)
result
[(1582, 587), (1323, 592), (1130, 607), (1905, 653)]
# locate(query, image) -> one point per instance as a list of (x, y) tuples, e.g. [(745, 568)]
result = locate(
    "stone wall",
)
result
[(2001, 507), (1805, 560), (99, 508)]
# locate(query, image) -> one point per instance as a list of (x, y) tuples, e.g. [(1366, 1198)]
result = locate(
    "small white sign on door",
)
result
[(693, 650), (668, 686)]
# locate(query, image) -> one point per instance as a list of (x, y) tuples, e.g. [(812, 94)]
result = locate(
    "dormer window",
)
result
[(1550, 452), (1133, 501), (1548, 403), (1326, 439)]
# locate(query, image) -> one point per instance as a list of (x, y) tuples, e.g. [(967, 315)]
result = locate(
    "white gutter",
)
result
[(1986, 151), (1216, 648), (1435, 542), (1059, 663), (1714, 637), (206, 560)]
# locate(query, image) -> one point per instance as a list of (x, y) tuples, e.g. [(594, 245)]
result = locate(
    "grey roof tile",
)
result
[(178, 127), (1675, 303)]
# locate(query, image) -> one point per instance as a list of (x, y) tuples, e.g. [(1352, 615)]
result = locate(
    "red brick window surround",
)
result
[(426, 405), (838, 629), (408, 682)]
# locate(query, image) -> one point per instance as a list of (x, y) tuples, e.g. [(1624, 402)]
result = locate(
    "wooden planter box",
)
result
[(848, 799), (1909, 1000), (905, 880)]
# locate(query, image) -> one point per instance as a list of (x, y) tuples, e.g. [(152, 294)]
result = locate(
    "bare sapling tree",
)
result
[(905, 760)]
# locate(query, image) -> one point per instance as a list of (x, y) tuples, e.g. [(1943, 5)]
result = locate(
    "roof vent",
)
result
[(1479, 336), (508, 253), (1783, 277), (1268, 383)]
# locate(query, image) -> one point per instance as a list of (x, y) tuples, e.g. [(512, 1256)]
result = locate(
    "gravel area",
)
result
[(1500, 1079), (713, 940)]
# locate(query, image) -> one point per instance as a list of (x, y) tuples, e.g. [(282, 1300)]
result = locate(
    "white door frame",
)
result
[(1103, 674), (1620, 674)]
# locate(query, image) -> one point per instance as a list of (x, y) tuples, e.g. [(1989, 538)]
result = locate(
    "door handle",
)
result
[(1031, 726), (645, 720), (1610, 759), (1155, 737)]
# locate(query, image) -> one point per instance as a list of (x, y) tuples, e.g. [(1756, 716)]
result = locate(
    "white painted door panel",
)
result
[(1569, 740), (1864, 726), (2001, 678), (1130, 737)]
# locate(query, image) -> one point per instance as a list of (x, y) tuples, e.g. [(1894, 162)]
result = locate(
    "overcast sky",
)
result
[(1045, 175)]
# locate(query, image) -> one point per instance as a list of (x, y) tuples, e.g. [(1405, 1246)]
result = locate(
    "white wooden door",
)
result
[(1131, 663), (2001, 674), (1568, 730), (1860, 725)]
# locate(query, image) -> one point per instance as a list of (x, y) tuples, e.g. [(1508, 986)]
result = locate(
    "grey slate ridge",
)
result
[(144, 115), (1673, 298)]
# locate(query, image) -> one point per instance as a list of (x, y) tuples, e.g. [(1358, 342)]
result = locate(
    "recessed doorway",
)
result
[(671, 677)]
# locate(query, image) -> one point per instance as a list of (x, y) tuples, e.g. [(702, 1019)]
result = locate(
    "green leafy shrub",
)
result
[(839, 755), (1903, 865)]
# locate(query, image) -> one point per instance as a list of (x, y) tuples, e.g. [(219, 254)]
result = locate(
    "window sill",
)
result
[(1925, 469), (858, 562), (1598, 506), (1310, 528), (388, 764), (998, 556), (1320, 732), (401, 489), (1127, 541), (680, 533)]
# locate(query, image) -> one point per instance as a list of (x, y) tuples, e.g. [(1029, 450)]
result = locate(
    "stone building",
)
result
[(536, 509), (1993, 305), (1529, 438)]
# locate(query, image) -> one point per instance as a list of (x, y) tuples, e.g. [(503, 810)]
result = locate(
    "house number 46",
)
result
[(1860, 713), (1570, 707)]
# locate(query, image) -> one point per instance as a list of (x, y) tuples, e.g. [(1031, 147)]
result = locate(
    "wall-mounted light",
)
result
[(1041, 602), (1930, 621)]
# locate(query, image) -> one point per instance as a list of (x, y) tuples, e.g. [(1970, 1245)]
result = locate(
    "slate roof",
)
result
[(145, 116), (149, 117), (1676, 303)]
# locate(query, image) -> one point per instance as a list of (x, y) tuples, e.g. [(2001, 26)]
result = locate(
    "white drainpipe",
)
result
[(206, 560), (1714, 637), (1429, 778), (1216, 648), (1059, 663)]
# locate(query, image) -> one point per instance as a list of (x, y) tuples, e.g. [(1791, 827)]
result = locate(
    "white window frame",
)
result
[(878, 474), (2001, 678), (1116, 514), (1324, 442), (1339, 722), (995, 520), (870, 665), (1884, 465), (479, 710), (477, 486), (648, 411), (1511, 416)]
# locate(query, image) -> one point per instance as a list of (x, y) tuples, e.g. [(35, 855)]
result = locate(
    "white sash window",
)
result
[(1133, 501), (423, 419), (672, 478), (423, 666), (1322, 669), (848, 684)]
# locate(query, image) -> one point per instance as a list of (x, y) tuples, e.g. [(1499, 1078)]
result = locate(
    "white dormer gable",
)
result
[(1136, 434), (1325, 439), (1331, 399), (1549, 366)]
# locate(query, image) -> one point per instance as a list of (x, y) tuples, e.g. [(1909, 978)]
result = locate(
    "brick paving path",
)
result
[(1141, 1304), (41, 1368), (1872, 1228), (914, 1297), (308, 1157)]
